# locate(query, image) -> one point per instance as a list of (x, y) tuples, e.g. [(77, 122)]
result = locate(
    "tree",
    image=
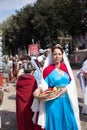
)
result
[(43, 22)]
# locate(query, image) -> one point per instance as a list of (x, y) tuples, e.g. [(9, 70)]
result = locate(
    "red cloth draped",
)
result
[(25, 86), (51, 67)]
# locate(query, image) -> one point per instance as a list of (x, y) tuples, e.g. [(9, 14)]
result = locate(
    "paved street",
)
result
[(7, 109), (83, 117), (7, 112)]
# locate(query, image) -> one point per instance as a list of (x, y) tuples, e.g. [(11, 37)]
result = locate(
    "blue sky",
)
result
[(8, 7)]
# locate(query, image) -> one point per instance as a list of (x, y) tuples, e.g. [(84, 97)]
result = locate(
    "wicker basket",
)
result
[(49, 94)]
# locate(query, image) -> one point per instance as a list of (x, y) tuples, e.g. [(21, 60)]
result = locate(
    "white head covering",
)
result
[(84, 66)]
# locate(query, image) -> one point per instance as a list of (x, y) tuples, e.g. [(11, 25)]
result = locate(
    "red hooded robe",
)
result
[(25, 87)]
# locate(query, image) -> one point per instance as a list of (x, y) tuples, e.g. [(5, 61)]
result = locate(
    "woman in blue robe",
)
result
[(60, 112)]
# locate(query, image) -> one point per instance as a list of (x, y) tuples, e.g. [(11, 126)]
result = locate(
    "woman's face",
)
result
[(57, 56)]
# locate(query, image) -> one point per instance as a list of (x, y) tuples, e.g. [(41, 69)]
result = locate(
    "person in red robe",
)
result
[(25, 86)]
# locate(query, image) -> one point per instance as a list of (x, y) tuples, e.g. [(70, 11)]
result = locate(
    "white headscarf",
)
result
[(71, 90)]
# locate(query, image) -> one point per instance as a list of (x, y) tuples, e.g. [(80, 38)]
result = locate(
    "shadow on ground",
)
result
[(12, 97), (83, 117), (8, 120)]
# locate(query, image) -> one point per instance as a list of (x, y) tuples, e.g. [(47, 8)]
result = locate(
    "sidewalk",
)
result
[(8, 115), (7, 110), (83, 117)]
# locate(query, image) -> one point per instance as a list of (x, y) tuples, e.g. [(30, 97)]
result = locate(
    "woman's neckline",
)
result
[(57, 66), (61, 72)]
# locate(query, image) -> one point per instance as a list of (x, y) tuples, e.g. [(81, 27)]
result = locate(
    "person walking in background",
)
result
[(28, 59), (25, 86), (22, 66), (6, 73), (82, 76), (41, 58), (61, 113)]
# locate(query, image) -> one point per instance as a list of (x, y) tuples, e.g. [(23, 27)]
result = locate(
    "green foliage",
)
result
[(42, 22)]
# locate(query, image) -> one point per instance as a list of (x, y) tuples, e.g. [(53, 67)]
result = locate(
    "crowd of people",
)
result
[(35, 74), (13, 66)]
